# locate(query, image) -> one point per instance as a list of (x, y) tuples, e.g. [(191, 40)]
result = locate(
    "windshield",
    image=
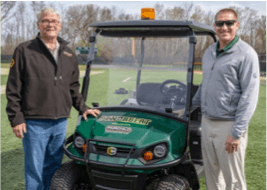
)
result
[(140, 72)]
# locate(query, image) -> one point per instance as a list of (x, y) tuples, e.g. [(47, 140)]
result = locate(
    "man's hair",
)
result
[(227, 10), (47, 10)]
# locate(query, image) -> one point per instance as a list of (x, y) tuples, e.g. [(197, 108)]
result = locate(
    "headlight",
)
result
[(79, 142), (160, 151)]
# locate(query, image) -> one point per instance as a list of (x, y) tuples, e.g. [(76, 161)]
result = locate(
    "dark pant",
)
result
[(43, 151)]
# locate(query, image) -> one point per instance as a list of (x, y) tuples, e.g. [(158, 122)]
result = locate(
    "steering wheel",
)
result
[(176, 92)]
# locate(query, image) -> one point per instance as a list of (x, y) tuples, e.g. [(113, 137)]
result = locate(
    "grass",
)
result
[(4, 79), (12, 157), (5, 64)]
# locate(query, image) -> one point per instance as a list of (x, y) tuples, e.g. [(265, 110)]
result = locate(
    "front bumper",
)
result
[(119, 166), (102, 180), (109, 181)]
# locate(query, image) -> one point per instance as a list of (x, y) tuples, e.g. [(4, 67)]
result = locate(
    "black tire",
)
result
[(172, 182), (69, 176)]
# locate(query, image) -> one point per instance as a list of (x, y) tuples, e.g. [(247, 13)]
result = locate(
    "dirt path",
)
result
[(4, 71), (3, 89), (198, 72)]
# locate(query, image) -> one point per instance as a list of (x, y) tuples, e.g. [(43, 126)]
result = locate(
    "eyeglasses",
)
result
[(54, 22), (227, 22)]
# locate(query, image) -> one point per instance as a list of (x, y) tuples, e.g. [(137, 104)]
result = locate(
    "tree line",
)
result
[(19, 24)]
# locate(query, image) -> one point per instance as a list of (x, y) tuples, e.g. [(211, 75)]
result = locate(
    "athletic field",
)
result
[(104, 82)]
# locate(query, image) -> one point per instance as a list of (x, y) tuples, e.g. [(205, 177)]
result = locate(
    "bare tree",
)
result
[(18, 24), (21, 13), (78, 18), (159, 9), (209, 18), (35, 10), (52, 5), (204, 42), (6, 7), (188, 7), (118, 14), (105, 14), (9, 41), (198, 15), (62, 10), (124, 16), (36, 7), (177, 13), (261, 35), (247, 18), (114, 12)]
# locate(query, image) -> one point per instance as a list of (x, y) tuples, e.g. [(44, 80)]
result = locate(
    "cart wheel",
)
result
[(70, 176), (173, 182)]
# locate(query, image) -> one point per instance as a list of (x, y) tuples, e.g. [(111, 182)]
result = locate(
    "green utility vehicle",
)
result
[(137, 143)]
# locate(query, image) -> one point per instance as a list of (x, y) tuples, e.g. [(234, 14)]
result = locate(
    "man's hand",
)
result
[(94, 112), (19, 129), (179, 112), (231, 144)]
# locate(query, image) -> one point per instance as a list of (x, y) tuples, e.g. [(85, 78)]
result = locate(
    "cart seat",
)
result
[(148, 94)]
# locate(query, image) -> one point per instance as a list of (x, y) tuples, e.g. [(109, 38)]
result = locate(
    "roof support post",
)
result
[(90, 58), (141, 62), (192, 42)]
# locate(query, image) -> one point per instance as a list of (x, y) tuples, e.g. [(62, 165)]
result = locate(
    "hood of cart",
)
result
[(140, 129)]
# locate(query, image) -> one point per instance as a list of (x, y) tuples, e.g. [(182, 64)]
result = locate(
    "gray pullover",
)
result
[(230, 86)]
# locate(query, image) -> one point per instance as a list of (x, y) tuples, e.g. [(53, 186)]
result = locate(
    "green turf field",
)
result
[(4, 79), (101, 85)]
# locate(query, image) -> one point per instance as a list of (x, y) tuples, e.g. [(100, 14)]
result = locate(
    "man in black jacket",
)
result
[(42, 87)]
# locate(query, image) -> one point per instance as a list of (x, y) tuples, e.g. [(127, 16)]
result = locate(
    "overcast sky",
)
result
[(135, 6)]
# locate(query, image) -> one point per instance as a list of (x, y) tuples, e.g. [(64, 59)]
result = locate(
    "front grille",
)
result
[(121, 152), (114, 184), (104, 180)]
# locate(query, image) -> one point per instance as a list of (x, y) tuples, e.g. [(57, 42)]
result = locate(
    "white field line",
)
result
[(127, 79), (82, 73)]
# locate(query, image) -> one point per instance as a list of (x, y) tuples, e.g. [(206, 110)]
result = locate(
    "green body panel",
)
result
[(143, 130)]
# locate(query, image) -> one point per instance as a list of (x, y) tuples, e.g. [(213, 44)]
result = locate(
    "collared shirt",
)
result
[(220, 51), (55, 52)]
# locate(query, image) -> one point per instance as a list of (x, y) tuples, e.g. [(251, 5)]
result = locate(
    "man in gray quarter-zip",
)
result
[(43, 85), (228, 97)]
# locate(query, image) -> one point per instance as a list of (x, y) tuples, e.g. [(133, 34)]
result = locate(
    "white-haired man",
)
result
[(228, 97), (43, 85)]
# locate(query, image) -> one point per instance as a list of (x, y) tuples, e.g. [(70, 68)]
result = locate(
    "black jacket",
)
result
[(38, 88)]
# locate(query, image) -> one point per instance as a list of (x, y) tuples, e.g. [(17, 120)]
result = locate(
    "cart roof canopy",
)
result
[(149, 28)]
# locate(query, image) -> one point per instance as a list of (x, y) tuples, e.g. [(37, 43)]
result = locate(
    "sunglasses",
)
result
[(227, 22)]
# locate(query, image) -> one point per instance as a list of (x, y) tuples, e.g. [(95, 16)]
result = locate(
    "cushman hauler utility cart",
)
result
[(137, 143)]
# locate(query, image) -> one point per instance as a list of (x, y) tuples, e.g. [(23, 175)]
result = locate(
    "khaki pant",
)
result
[(222, 169)]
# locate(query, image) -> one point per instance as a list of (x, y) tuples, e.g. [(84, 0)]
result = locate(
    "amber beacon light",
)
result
[(147, 14)]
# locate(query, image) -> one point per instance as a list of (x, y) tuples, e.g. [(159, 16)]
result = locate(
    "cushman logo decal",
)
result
[(67, 54), (134, 120), (118, 129), (111, 151)]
